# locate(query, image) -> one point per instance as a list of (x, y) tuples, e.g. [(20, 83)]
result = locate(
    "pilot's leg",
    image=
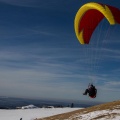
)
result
[(86, 91)]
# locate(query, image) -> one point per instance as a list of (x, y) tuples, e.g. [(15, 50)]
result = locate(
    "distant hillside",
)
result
[(107, 111)]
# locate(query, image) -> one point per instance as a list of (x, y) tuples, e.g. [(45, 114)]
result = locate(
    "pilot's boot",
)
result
[(84, 94), (86, 91)]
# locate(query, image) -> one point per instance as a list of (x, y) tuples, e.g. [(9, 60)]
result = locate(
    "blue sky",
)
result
[(40, 56)]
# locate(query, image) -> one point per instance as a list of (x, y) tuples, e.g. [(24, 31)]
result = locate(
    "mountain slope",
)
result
[(107, 111)]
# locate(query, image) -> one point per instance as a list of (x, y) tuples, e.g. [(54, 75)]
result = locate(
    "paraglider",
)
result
[(87, 19), (89, 16)]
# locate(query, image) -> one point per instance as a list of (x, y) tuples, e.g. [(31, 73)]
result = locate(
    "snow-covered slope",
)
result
[(108, 111), (98, 115), (31, 114)]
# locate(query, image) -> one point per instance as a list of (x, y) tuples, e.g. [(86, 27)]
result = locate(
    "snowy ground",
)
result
[(30, 114), (101, 115), (108, 114)]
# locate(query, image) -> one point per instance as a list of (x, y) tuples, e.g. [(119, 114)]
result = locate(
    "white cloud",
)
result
[(35, 3)]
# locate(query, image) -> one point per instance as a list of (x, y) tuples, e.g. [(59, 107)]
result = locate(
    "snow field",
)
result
[(31, 114), (99, 115)]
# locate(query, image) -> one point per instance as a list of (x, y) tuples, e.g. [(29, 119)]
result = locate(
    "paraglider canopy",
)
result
[(90, 15)]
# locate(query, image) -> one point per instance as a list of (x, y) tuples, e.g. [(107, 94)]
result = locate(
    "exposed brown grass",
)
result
[(110, 106)]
